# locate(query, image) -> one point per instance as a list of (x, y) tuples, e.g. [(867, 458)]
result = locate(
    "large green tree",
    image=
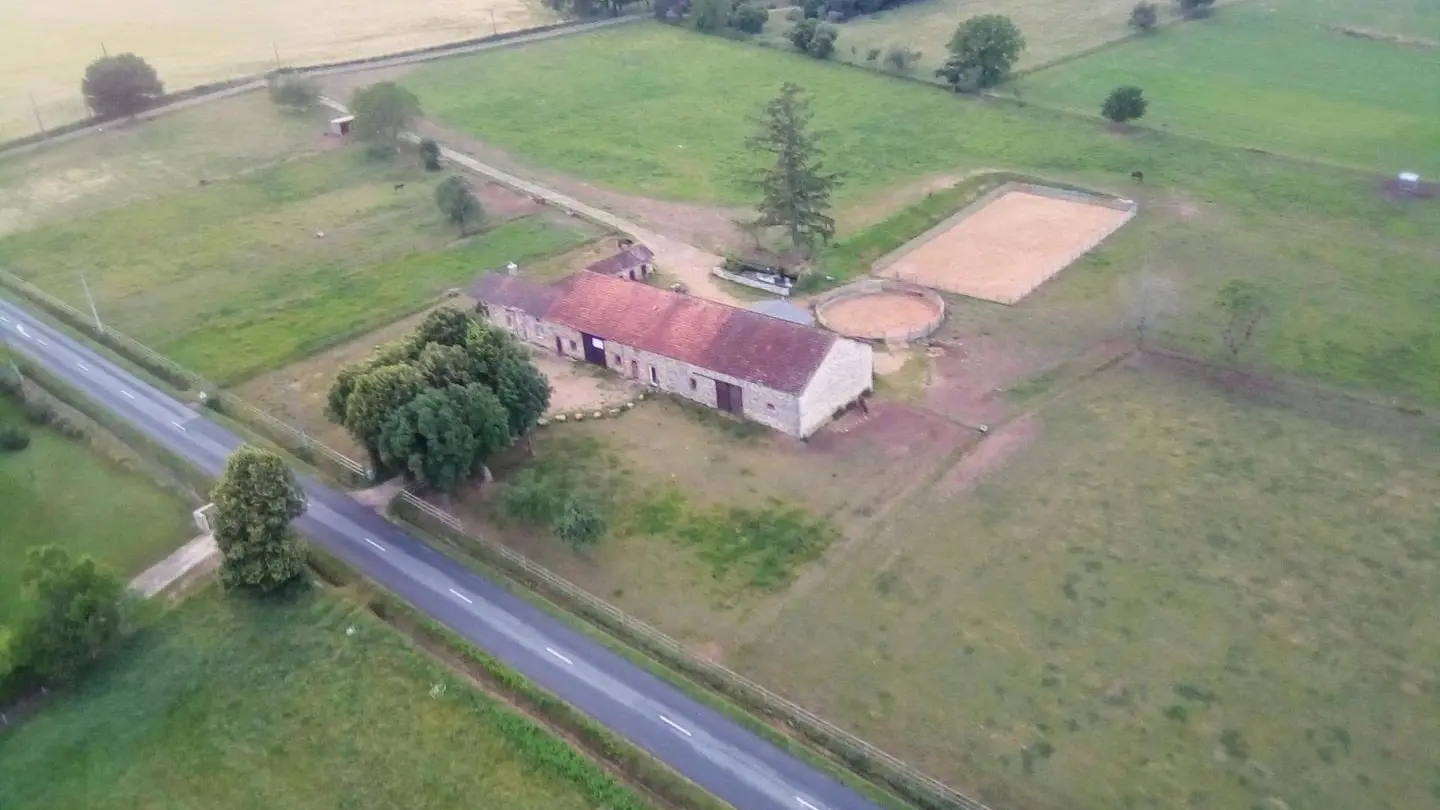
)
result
[(458, 204), (982, 52), (71, 612), (1125, 103), (256, 499), (375, 395), (795, 187), (382, 112), (444, 436), (118, 85), (453, 371)]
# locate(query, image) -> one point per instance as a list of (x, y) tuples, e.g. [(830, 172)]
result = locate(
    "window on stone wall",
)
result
[(693, 384), (572, 345), (617, 359), (769, 406), (654, 376)]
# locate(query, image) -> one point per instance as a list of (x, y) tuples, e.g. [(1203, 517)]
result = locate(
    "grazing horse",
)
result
[(1138, 177)]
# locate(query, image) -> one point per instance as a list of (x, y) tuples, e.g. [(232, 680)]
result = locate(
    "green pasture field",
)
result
[(1157, 595), (1277, 75), (231, 703), (1353, 267), (58, 491), (1053, 29), (234, 278), (136, 161)]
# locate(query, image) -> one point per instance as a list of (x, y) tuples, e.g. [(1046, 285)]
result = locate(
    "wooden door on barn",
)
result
[(729, 398), (594, 349)]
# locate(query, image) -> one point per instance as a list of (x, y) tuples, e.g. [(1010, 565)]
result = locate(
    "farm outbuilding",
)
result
[(784, 375), (632, 261)]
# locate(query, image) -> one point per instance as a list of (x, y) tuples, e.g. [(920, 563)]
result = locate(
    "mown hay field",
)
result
[(49, 42)]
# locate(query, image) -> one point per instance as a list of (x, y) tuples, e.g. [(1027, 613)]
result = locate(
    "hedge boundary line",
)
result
[(600, 749), (186, 480)]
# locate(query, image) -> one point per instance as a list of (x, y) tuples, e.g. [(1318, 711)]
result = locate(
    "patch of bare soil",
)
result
[(972, 371), (890, 429), (1424, 190), (501, 203), (995, 449), (1375, 35), (576, 387)]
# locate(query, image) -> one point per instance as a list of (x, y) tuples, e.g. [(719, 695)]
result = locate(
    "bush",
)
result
[(823, 43), (1144, 16), (534, 497), (812, 8), (872, 54), (13, 439), (750, 18), (794, 15), (295, 92), (430, 155), (580, 524), (901, 58), (1124, 104)]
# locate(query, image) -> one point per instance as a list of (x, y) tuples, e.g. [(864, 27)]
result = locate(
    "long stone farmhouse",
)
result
[(790, 377)]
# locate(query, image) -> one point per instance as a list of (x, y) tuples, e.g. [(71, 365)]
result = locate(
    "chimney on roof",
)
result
[(511, 268)]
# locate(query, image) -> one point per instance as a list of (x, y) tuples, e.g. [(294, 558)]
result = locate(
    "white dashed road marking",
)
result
[(127, 394), (462, 597), (806, 804), (82, 366), (179, 427), (4, 319), (567, 661), (671, 723), (375, 544)]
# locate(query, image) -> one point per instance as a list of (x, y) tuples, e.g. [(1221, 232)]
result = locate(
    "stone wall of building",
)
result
[(847, 371)]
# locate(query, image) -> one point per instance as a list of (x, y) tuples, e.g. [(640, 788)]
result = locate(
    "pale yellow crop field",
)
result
[(46, 44)]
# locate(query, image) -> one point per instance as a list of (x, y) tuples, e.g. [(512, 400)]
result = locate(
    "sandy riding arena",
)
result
[(881, 310), (1008, 243)]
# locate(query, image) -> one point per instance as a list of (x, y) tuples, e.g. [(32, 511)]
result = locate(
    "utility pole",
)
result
[(93, 311), (103, 52), (40, 122), (276, 48), (494, 29)]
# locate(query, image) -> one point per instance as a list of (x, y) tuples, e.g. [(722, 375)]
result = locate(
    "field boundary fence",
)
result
[(860, 756), (177, 376)]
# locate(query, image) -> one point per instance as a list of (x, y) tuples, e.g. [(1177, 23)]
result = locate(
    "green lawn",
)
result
[(58, 491), (232, 278), (1166, 597), (1273, 75), (231, 704)]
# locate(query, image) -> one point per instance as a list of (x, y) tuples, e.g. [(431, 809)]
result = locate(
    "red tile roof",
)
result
[(513, 292), (735, 342)]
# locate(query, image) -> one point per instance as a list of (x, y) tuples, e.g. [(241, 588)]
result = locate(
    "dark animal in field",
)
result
[(399, 186), (1138, 177)]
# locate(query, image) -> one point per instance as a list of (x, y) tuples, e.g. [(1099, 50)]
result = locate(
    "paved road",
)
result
[(702, 744)]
